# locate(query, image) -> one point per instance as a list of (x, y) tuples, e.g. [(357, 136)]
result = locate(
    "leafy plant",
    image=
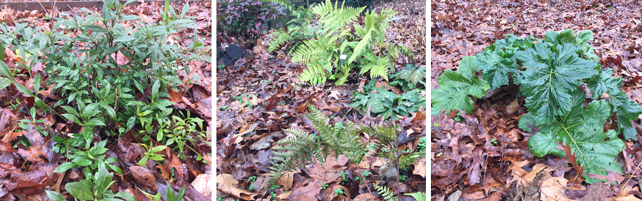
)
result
[(91, 160), (335, 46), (549, 73), (384, 191), (298, 30), (171, 195), (388, 104), (409, 78), (151, 154), (454, 88), (92, 189)]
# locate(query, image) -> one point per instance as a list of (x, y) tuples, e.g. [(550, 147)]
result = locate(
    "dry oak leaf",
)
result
[(420, 168), (286, 180), (203, 183), (225, 183), (553, 188)]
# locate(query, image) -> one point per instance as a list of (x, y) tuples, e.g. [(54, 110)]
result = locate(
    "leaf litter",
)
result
[(261, 95), (485, 155)]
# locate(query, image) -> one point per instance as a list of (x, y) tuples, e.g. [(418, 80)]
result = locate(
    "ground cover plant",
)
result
[(106, 104), (541, 108), (310, 112)]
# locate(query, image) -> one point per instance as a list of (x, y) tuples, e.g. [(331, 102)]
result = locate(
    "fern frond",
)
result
[(295, 150), (314, 74), (280, 37), (334, 17), (276, 171), (385, 193)]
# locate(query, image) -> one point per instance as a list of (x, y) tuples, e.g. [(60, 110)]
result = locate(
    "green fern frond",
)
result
[(333, 17), (385, 193), (295, 150), (276, 171), (280, 37)]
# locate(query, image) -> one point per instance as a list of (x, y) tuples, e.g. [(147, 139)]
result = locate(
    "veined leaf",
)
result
[(626, 109), (551, 78), (455, 88), (582, 129)]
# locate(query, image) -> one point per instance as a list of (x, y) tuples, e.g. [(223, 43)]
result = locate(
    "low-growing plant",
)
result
[(409, 78), (549, 73), (92, 189), (90, 160), (151, 154), (387, 104)]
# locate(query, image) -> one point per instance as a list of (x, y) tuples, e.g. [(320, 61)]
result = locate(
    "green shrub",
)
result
[(549, 73), (92, 189), (101, 70)]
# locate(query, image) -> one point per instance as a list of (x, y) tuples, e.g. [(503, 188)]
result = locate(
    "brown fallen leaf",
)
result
[(366, 197), (553, 188), (513, 106), (203, 184), (144, 177), (225, 183), (420, 168), (286, 180)]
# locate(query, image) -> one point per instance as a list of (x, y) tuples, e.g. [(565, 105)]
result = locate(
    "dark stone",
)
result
[(234, 51), (219, 50)]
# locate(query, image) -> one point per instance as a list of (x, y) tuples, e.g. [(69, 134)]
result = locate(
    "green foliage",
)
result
[(549, 74), (91, 160), (94, 85), (456, 87), (298, 30), (387, 104), (171, 195), (334, 48), (384, 191), (301, 146), (419, 196), (582, 130), (180, 131), (151, 154), (409, 78), (498, 60), (92, 189)]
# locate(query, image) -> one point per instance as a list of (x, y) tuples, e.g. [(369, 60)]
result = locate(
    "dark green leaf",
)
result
[(53, 195), (80, 190), (64, 167), (455, 88)]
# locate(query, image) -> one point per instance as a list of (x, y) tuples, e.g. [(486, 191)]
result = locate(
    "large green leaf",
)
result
[(627, 110), (551, 78), (455, 88), (582, 129)]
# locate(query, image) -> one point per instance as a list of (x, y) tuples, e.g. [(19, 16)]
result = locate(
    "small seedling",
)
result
[(402, 178), (493, 141), (338, 191), (436, 124), (224, 107), (325, 186)]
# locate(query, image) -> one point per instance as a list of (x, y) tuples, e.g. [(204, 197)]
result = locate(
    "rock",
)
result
[(234, 52)]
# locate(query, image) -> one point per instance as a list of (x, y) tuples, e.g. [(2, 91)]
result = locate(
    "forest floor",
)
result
[(260, 96), (483, 155), (27, 171)]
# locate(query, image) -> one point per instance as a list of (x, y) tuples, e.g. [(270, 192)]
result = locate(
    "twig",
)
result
[(630, 177)]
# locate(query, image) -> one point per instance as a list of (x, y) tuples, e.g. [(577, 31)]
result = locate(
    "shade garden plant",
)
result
[(333, 47), (555, 75), (111, 75)]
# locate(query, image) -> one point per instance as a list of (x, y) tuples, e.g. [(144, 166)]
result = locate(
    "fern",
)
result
[(280, 37), (385, 193)]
